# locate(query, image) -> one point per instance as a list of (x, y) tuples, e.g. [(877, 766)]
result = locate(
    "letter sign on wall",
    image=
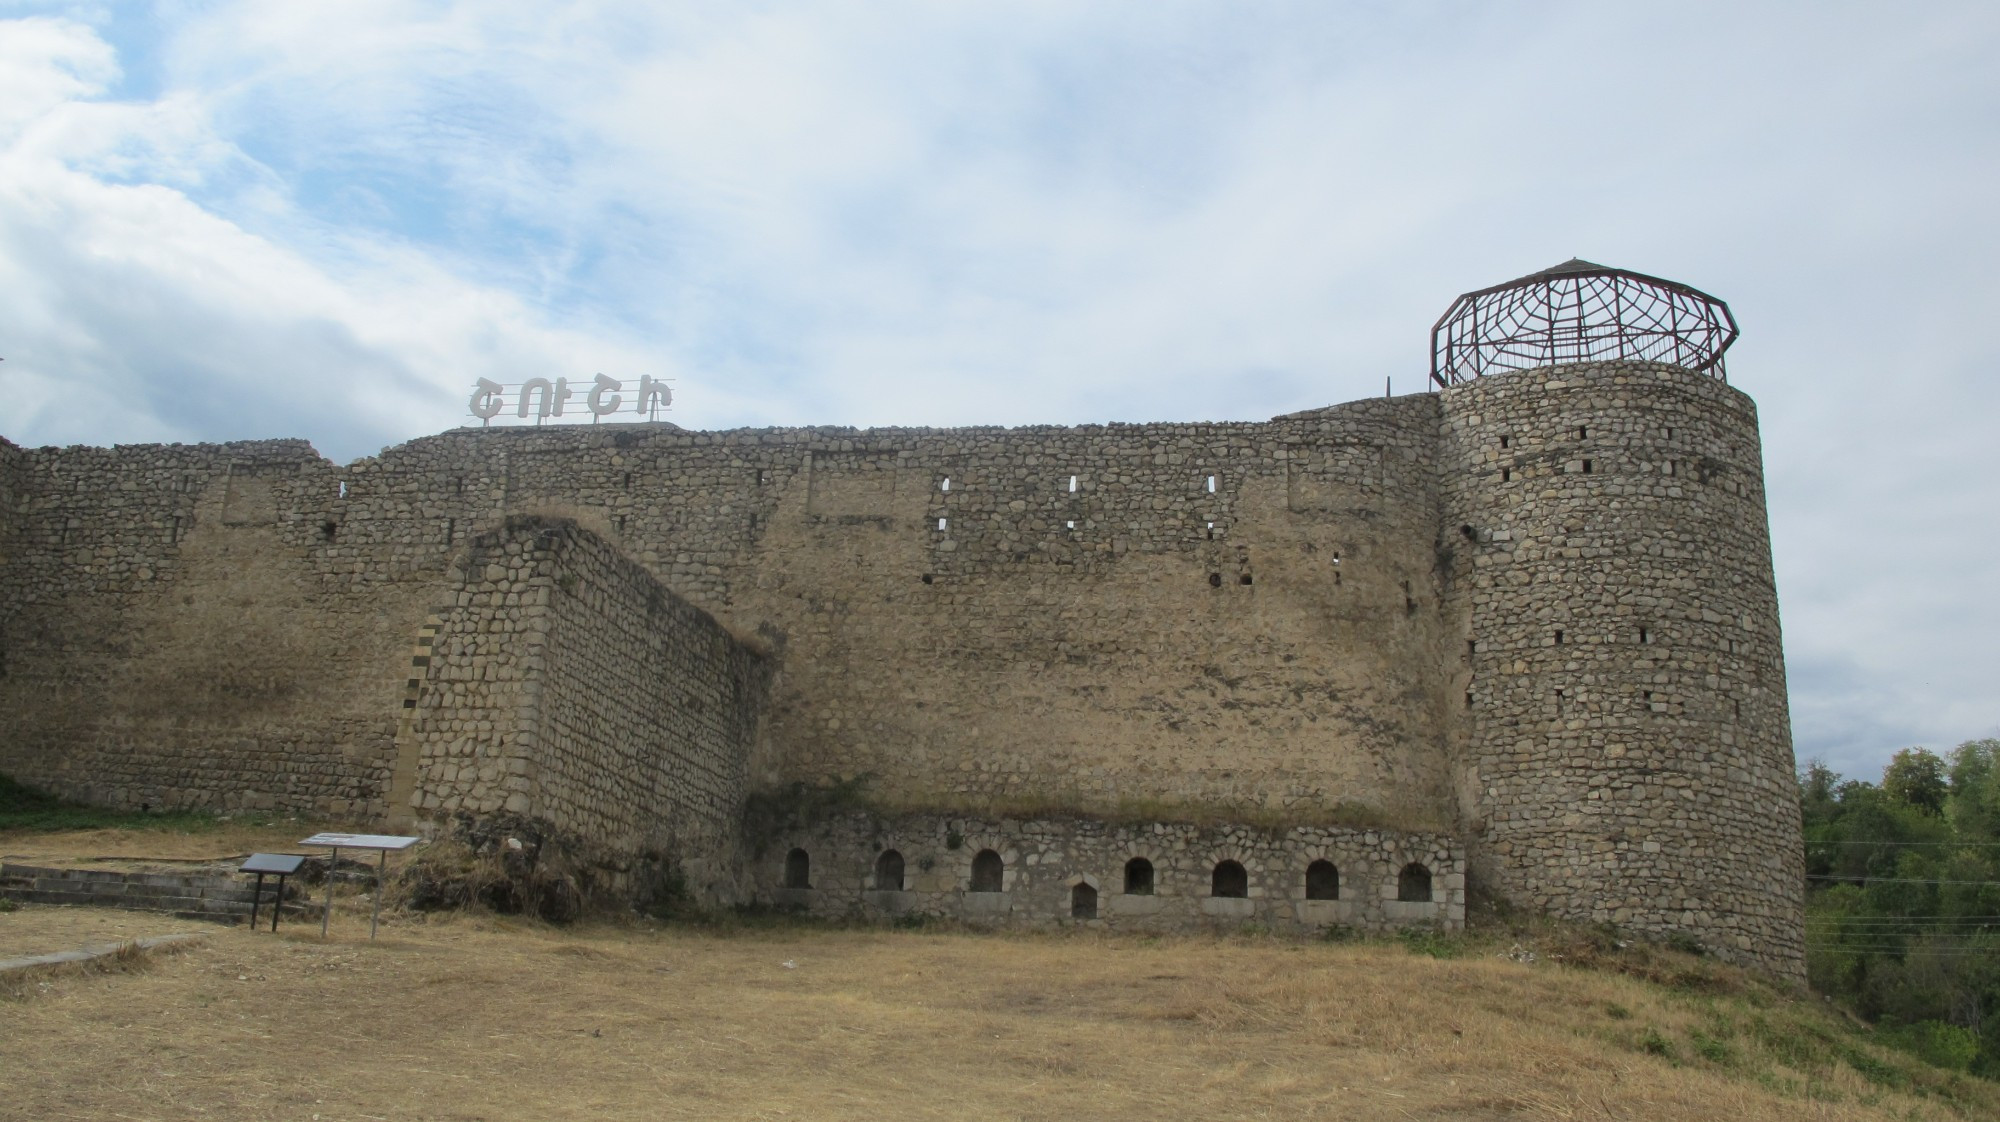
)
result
[(542, 399)]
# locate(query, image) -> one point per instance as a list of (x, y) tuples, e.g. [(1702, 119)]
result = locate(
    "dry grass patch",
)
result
[(127, 958), (471, 1017), (215, 840)]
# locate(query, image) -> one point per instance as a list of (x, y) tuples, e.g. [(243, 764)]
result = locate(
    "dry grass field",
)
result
[(473, 1017), (106, 847)]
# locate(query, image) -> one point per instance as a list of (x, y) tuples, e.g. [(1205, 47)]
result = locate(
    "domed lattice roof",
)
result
[(1579, 311)]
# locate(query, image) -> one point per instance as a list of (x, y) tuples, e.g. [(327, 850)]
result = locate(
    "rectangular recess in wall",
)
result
[(252, 499), (854, 484)]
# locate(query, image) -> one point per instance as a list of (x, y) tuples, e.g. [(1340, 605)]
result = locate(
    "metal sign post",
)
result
[(334, 843), (280, 865)]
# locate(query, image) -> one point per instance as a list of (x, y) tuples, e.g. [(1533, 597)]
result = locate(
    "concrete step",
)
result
[(184, 894)]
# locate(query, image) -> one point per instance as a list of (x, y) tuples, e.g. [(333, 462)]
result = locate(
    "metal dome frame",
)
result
[(1580, 311)]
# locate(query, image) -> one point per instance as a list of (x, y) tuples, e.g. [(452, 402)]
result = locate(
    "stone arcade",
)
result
[(1520, 631)]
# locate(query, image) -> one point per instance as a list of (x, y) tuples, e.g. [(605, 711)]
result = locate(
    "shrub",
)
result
[(1934, 1042)]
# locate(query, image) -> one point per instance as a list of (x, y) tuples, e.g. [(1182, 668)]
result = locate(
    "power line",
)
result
[(1889, 921), (1943, 952), (1878, 917), (1894, 880), (1847, 841), (1964, 931)]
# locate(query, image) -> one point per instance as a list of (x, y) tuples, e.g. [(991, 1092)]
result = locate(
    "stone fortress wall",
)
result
[(1325, 620), (183, 629)]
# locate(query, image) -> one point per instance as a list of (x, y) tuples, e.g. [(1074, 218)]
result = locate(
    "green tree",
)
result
[(1916, 777), (1902, 896), (1974, 802)]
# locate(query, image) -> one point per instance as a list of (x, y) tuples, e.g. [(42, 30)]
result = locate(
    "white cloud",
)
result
[(917, 213), (46, 63)]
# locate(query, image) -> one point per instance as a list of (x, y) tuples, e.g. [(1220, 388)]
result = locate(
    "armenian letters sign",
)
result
[(543, 399)]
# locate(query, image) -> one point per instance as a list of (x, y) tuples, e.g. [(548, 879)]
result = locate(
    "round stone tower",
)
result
[(1624, 745)]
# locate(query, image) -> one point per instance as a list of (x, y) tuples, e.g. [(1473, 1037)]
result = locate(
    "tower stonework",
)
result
[(1624, 742)]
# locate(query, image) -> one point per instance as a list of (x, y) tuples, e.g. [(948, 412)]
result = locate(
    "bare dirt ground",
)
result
[(479, 1018)]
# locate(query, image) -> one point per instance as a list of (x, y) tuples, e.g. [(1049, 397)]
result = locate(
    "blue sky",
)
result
[(228, 220)]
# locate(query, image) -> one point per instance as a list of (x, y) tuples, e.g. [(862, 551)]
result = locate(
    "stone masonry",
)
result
[(1055, 872), (1627, 748), (567, 687), (1338, 619)]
